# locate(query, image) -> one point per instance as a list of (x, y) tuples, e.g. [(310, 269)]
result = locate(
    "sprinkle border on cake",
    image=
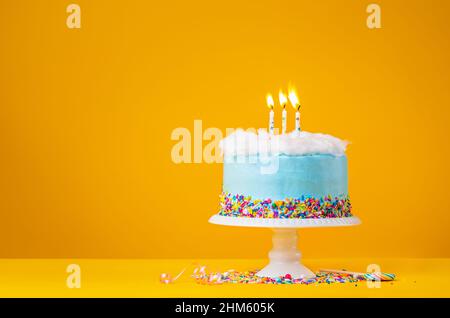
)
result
[(237, 205)]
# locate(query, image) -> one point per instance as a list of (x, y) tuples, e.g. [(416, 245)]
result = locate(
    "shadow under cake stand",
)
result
[(284, 258)]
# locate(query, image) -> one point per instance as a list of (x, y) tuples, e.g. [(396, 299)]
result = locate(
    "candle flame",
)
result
[(270, 102), (282, 98), (294, 99)]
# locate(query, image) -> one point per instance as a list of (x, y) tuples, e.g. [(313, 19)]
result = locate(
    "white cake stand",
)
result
[(284, 258)]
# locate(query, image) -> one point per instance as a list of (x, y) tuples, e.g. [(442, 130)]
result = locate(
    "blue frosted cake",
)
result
[(299, 175)]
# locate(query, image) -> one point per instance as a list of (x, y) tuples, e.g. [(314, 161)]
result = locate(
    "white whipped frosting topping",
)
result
[(243, 142)]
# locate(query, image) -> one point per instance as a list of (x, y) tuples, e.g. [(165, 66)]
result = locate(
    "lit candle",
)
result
[(283, 101), (270, 104), (296, 104)]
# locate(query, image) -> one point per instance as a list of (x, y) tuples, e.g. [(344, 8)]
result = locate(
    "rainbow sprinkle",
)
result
[(249, 277), (237, 205), (204, 277)]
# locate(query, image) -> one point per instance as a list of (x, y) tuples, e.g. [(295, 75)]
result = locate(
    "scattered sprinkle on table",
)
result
[(249, 277)]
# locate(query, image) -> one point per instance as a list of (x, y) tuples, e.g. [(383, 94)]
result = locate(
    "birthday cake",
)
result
[(298, 175)]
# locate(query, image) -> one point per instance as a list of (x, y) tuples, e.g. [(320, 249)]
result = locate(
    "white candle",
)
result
[(297, 120), (283, 101), (296, 104), (270, 104), (271, 122)]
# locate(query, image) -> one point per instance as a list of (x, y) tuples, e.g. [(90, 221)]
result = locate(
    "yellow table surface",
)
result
[(140, 278)]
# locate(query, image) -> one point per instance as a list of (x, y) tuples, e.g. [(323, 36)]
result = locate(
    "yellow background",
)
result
[(86, 117)]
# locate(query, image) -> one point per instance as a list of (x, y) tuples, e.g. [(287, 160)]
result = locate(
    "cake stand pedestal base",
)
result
[(285, 257)]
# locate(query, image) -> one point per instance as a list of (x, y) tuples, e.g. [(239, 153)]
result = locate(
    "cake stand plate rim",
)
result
[(283, 223)]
